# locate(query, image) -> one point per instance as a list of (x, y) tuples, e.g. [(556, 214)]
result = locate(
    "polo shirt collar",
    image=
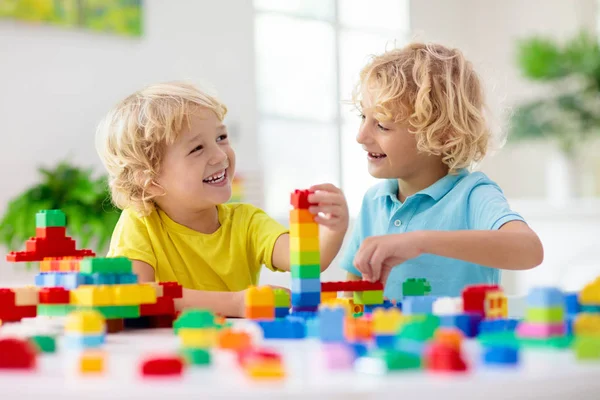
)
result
[(436, 191)]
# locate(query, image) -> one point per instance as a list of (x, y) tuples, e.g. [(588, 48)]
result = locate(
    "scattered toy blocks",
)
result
[(91, 362), (418, 305), (283, 329), (474, 298), (17, 354), (416, 287), (44, 343), (338, 356), (233, 340), (501, 355), (166, 366)]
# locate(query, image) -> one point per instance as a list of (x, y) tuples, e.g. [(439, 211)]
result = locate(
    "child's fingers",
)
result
[(330, 209), (322, 197), (362, 258)]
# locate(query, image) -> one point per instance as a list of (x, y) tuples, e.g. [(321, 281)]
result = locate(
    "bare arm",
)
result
[(229, 304)]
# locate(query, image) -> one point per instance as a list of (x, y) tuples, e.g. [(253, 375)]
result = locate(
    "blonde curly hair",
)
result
[(132, 138), (436, 91)]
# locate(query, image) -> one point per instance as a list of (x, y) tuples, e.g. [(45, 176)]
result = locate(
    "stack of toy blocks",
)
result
[(260, 303), (18, 303), (586, 329), (416, 298), (544, 322), (282, 303), (84, 329), (331, 323), (386, 324), (589, 297), (197, 331), (305, 259), (365, 294)]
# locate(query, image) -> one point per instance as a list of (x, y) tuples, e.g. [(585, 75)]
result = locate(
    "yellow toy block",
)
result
[(26, 296), (260, 297), (304, 230), (197, 338), (346, 302), (89, 295), (147, 294), (496, 305), (304, 244), (590, 294), (91, 362), (158, 289), (126, 295), (46, 265), (328, 296), (89, 322), (587, 324), (265, 370), (386, 321)]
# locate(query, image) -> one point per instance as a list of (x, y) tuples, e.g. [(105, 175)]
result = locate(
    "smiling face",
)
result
[(197, 169)]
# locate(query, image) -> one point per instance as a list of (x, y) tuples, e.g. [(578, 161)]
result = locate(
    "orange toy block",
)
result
[(301, 216), (496, 305), (451, 337), (358, 329), (233, 340), (260, 312), (305, 230)]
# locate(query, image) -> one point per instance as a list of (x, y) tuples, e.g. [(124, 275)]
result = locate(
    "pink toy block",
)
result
[(540, 331), (338, 356)]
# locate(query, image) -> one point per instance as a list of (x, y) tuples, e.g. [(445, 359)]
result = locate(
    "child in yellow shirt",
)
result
[(170, 168)]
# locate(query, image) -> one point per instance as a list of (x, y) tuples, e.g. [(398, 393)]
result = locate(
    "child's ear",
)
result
[(155, 189)]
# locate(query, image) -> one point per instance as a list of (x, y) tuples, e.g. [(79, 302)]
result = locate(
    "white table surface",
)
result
[(547, 374)]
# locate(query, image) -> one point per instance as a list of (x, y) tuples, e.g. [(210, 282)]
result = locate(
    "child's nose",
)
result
[(218, 156), (363, 136)]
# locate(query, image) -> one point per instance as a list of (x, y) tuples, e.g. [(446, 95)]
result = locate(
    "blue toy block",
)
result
[(590, 308), (54, 279), (359, 349), (572, 305), (418, 305), (331, 324), (313, 328), (281, 312), (300, 285), (102, 279), (369, 308), (72, 280), (385, 341), (467, 323), (72, 341), (304, 313), (40, 279), (306, 299), (411, 346), (569, 325), (497, 325), (501, 355), (126, 279), (545, 297), (283, 329)]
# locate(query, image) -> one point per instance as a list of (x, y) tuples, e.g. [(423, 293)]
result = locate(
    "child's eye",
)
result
[(382, 128), (362, 116), (197, 148), (222, 138)]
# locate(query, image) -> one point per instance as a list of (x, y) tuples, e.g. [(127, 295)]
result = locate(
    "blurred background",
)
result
[(285, 69)]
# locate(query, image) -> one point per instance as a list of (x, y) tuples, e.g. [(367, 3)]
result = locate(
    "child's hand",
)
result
[(377, 255), (331, 209)]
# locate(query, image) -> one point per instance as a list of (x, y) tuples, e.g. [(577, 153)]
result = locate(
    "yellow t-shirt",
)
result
[(226, 260)]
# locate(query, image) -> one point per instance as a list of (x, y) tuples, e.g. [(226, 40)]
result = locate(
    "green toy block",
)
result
[(50, 218), (196, 356), (54, 310), (559, 343), (369, 297), (282, 298), (545, 315), (416, 287), (306, 271), (115, 265), (422, 328), (194, 318), (305, 257), (44, 343), (397, 360), (115, 312), (587, 347)]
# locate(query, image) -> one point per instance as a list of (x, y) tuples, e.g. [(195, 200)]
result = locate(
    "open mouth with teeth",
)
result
[(216, 178), (376, 156)]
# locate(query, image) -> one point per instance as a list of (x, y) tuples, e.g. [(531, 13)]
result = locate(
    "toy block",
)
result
[(304, 230), (496, 305), (51, 232), (587, 348), (115, 325), (447, 306), (39, 279), (233, 340), (443, 358), (305, 271), (590, 294), (162, 366), (143, 322), (79, 342), (172, 289), (545, 315), (85, 322), (304, 244), (338, 356), (299, 199), (69, 264), (54, 279), (260, 297), (197, 337), (545, 297), (26, 296), (420, 328), (98, 279), (88, 295), (196, 356), (91, 362), (501, 355), (26, 311), (312, 327), (540, 331), (416, 287), (162, 306), (351, 286), (474, 298), (260, 312), (125, 295), (587, 325), (348, 305), (358, 329), (158, 288), (386, 305), (54, 295), (162, 321), (385, 341), (282, 312), (49, 247), (467, 323), (54, 251), (128, 279), (196, 319), (305, 258), (301, 216), (386, 321), (7, 297), (449, 336), (54, 310), (368, 297), (282, 298), (497, 325), (111, 312), (306, 299), (328, 296), (411, 346), (17, 354), (306, 285), (113, 265), (73, 280), (50, 218), (44, 343), (382, 361), (304, 312), (265, 370), (590, 309), (418, 305), (283, 329)]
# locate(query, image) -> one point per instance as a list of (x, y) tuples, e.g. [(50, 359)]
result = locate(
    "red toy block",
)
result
[(26, 311), (54, 295), (299, 199), (442, 357), (17, 354), (51, 247), (350, 286), (162, 321), (51, 232), (474, 298), (253, 354), (26, 256), (115, 325), (162, 366), (7, 298), (163, 306), (172, 289)]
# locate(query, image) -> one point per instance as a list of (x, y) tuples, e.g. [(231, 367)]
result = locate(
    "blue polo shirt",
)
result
[(455, 202)]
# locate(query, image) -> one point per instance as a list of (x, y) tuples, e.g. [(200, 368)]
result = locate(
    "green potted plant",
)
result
[(568, 113), (84, 199)]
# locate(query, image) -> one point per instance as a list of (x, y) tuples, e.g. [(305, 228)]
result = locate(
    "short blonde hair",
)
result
[(436, 91), (132, 138)]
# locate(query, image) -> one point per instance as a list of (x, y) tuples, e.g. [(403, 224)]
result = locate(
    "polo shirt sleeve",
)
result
[(488, 209), (130, 239)]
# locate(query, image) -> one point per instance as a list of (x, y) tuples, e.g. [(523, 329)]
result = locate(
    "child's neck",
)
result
[(422, 179), (203, 221)]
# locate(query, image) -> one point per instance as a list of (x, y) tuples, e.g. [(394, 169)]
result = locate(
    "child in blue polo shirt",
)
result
[(423, 127)]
